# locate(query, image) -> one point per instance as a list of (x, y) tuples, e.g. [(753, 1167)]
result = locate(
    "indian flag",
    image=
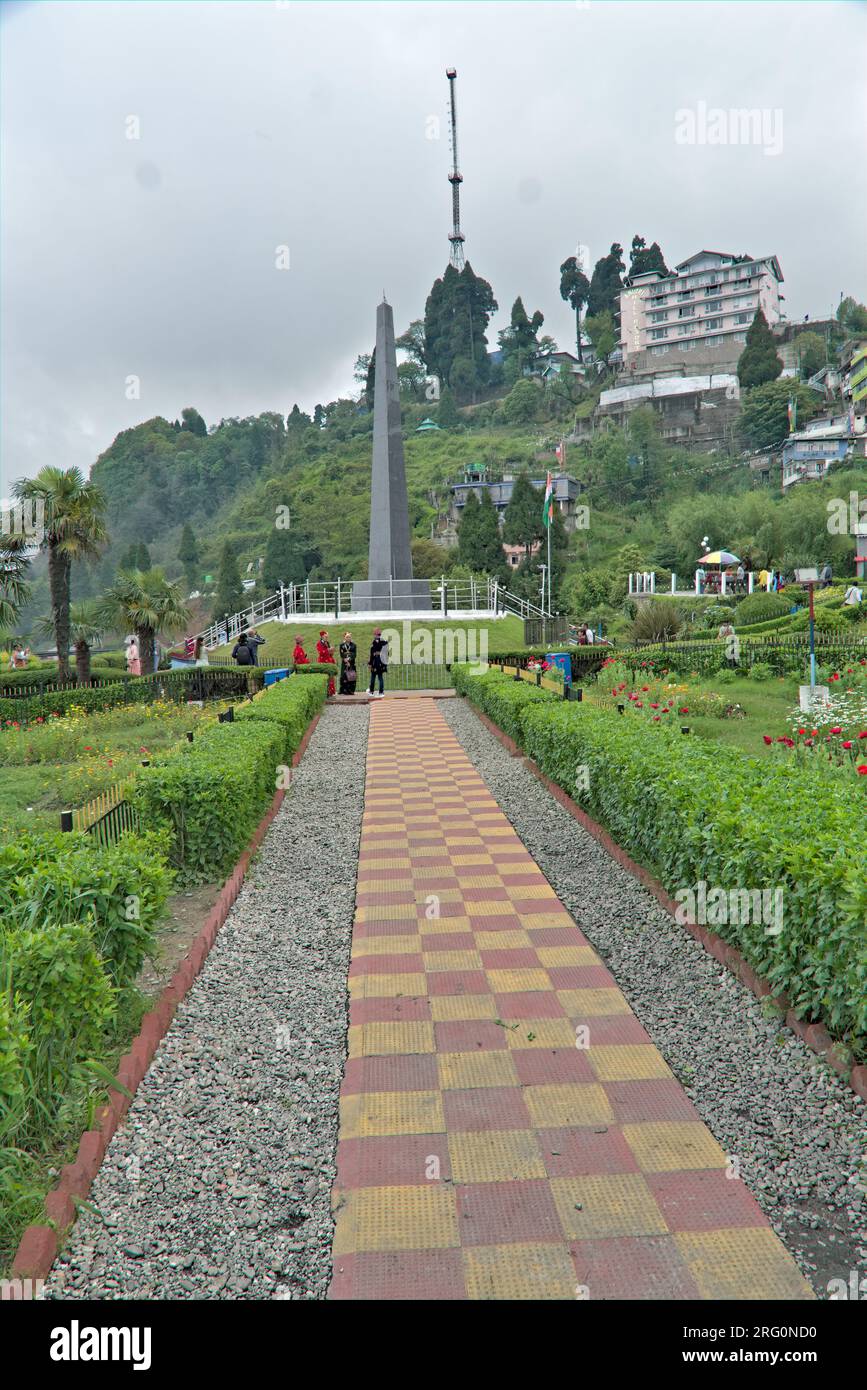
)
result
[(548, 504)]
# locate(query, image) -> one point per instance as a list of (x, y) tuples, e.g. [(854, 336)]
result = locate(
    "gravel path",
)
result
[(797, 1129), (219, 1184)]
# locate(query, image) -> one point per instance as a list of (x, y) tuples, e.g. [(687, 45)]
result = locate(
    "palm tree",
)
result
[(14, 589), (85, 628), (74, 529), (146, 602)]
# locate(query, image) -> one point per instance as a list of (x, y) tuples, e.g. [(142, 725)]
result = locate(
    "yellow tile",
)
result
[(554, 956), (488, 909), (398, 842), (464, 1070), (501, 832), (743, 1262), (473, 861), (539, 890), (607, 1204), (397, 882), (536, 1272), (429, 925), (664, 1146), (495, 1155), (518, 981), (379, 1039), (540, 1032), (385, 861), (388, 912), (386, 986), (391, 1112), (354, 1040), (592, 1003), (452, 960), (482, 881), (387, 946), (447, 1008), (629, 1062), (578, 1103), (538, 921), (501, 940), (423, 1217)]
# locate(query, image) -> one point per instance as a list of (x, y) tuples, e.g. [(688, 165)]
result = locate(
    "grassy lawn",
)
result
[(56, 766), (502, 635)]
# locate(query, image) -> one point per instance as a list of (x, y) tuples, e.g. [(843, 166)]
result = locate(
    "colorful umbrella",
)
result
[(719, 557)]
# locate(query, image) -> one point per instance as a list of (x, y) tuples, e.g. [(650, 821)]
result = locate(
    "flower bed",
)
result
[(693, 812)]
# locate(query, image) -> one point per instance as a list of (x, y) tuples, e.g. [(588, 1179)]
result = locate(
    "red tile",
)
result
[(495, 921), (505, 1213), (485, 1107), (511, 958), (660, 1099), (471, 1035), (400, 1072), (529, 1004), (399, 1276), (385, 898), (403, 926), (437, 942), (581, 977), (634, 1268), (559, 936), (618, 1028), (539, 1066), (400, 1010), (392, 1160), (572, 1153), (704, 1200), (387, 965), (457, 982)]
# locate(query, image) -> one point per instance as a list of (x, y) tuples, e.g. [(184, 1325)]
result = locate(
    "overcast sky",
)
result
[(268, 124)]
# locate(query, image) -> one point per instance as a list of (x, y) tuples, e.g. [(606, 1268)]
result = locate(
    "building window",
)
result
[(659, 333), (713, 323), (714, 307)]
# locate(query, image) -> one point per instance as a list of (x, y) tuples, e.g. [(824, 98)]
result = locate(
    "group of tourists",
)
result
[(348, 669), (245, 650), (19, 657)]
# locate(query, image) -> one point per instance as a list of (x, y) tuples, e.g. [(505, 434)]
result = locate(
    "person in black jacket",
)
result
[(254, 642), (378, 662), (243, 654), (348, 673)]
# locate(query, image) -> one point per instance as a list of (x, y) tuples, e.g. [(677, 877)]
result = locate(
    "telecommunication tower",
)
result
[(456, 236)]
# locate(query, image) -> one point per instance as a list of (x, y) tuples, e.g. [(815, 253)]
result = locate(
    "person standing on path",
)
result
[(378, 662), (242, 653), (133, 657), (325, 655), (254, 642), (348, 669)]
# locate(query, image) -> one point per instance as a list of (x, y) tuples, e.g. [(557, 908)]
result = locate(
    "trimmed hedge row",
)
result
[(211, 794), (174, 685), (47, 675), (699, 812)]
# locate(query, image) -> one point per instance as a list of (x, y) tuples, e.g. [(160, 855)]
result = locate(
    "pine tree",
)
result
[(447, 414), (643, 258), (522, 523), (143, 558), (606, 283), (284, 559), (468, 532), (230, 592), (575, 287), (489, 540), (758, 363), (188, 554)]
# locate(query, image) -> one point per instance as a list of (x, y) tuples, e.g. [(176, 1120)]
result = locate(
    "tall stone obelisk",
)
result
[(390, 584)]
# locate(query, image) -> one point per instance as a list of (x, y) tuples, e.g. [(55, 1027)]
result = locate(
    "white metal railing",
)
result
[(332, 599)]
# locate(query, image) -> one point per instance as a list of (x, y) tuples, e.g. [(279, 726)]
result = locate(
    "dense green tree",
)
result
[(522, 403), (429, 560), (812, 353), (85, 628), (643, 258), (764, 420), (296, 419), (284, 559), (852, 316), (489, 541), (74, 530), (230, 592), (319, 417), (519, 342), (14, 569), (142, 558), (606, 283), (575, 287), (192, 421), (188, 554), (468, 529), (447, 412), (602, 334), (457, 313), (759, 363), (522, 521)]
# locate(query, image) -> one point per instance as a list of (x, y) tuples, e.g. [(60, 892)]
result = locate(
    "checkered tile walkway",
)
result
[(508, 1130)]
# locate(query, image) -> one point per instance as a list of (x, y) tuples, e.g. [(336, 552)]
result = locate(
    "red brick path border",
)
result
[(815, 1035), (38, 1247)]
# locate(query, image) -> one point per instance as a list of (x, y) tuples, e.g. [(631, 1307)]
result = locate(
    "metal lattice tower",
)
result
[(456, 236)]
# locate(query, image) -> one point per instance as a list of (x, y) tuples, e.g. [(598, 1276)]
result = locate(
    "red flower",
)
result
[(639, 704), (655, 704), (863, 769), (836, 676), (847, 744), (782, 739), (836, 729), (863, 733), (767, 738), (802, 731), (808, 743), (656, 721), (645, 687), (684, 709)]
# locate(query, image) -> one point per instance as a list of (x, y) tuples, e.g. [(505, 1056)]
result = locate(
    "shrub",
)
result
[(760, 607), (15, 1049), (761, 671), (776, 825), (656, 621), (117, 891), (502, 698), (291, 704), (57, 972)]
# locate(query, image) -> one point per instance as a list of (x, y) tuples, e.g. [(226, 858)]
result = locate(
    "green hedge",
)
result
[(172, 685), (47, 675), (695, 811), (210, 795)]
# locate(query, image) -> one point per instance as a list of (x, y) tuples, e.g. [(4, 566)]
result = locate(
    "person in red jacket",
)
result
[(299, 656), (325, 655)]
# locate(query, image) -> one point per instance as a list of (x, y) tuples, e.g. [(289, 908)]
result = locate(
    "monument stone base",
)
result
[(383, 595)]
